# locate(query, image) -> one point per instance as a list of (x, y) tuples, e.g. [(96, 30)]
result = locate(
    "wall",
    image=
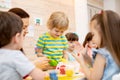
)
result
[(96, 3), (81, 19), (83, 15), (42, 9), (112, 5), (109, 5), (118, 6), (94, 6)]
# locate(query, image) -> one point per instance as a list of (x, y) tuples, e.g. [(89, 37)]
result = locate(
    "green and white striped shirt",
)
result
[(52, 47)]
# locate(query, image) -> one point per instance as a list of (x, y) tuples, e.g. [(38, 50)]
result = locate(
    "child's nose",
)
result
[(74, 44), (59, 33)]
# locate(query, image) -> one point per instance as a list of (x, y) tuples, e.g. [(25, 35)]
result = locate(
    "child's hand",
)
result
[(84, 50), (80, 49), (39, 52), (85, 57), (78, 46), (81, 54), (42, 63), (79, 58)]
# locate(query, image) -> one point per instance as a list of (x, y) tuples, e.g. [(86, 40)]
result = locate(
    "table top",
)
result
[(75, 75), (79, 76)]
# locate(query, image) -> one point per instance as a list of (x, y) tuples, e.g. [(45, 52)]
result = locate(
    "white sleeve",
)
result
[(22, 65), (116, 77)]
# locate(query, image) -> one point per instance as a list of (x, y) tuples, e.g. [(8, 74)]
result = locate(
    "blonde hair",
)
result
[(58, 20)]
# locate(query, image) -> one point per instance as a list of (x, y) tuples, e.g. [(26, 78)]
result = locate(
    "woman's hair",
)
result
[(20, 12), (58, 20), (72, 36), (88, 38), (109, 28), (10, 25)]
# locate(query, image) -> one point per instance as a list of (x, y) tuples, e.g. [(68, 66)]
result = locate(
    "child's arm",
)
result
[(42, 63), (39, 52), (24, 67), (65, 55), (88, 60), (37, 74), (78, 47), (98, 67), (40, 46)]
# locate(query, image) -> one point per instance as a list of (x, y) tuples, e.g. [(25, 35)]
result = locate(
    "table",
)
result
[(79, 76), (74, 77)]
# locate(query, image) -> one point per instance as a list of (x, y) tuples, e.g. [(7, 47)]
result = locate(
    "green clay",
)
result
[(53, 62)]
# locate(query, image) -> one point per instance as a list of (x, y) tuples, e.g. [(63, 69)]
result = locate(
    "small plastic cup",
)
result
[(69, 72)]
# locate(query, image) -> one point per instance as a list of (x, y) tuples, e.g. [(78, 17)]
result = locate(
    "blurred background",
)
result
[(79, 13)]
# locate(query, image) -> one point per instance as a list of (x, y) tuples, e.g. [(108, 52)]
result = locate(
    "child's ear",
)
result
[(17, 38)]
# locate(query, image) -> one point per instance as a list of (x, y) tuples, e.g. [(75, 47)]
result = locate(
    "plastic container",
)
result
[(53, 75)]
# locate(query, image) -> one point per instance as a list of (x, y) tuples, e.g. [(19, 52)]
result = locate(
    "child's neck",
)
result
[(9, 46)]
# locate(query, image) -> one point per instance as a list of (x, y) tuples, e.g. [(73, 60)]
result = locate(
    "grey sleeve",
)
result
[(22, 65)]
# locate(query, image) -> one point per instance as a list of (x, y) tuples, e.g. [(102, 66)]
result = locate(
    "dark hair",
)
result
[(72, 36), (10, 24), (109, 26), (20, 12), (88, 38)]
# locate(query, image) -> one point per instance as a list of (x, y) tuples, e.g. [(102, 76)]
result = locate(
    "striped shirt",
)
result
[(52, 47)]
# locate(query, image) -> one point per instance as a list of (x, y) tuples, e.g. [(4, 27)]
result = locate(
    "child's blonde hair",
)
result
[(58, 20)]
